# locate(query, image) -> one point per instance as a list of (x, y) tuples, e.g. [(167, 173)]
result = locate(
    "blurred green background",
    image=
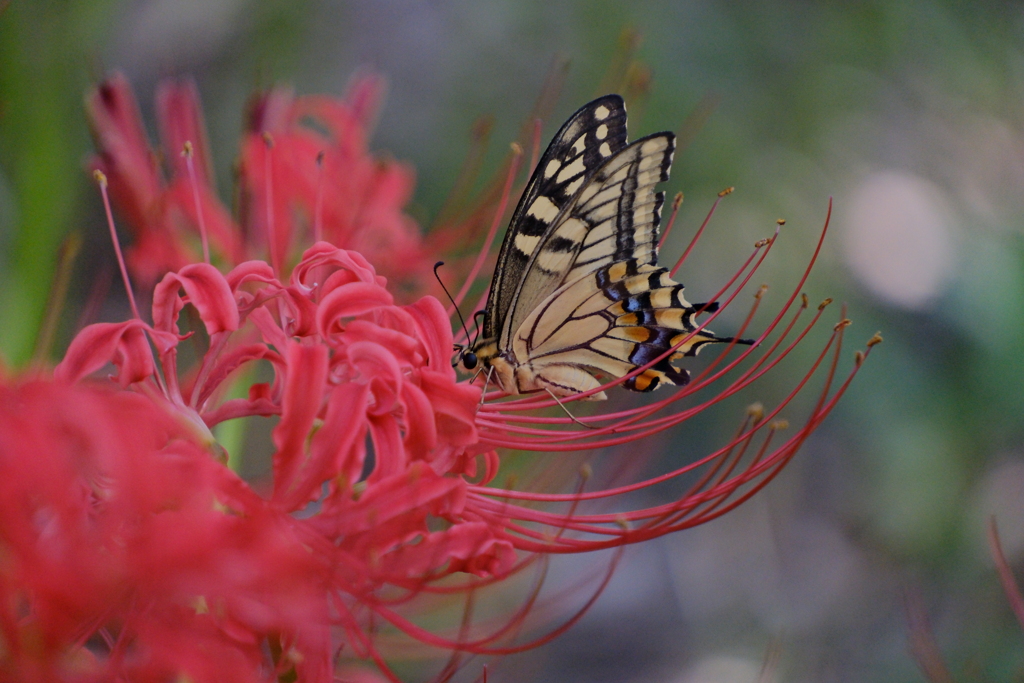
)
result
[(908, 114)]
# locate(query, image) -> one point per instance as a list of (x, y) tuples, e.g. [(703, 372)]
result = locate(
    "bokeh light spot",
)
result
[(898, 238)]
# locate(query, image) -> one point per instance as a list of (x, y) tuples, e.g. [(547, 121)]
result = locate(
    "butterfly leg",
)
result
[(487, 380), (566, 410)]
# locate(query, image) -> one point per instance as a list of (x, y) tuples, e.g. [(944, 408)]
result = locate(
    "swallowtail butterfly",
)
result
[(577, 288)]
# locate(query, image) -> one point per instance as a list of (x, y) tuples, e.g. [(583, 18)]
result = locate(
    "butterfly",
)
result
[(577, 289)]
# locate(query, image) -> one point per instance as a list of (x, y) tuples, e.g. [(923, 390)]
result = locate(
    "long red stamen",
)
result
[(467, 176), (651, 426), (513, 169), (101, 178), (275, 257), (700, 231), (1010, 587), (824, 406), (479, 646), (318, 207), (190, 165), (535, 144), (772, 465)]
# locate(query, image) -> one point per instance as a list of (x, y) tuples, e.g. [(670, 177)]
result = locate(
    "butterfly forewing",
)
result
[(614, 217), (595, 132), (621, 207)]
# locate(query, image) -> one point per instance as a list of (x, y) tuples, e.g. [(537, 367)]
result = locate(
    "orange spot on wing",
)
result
[(637, 334)]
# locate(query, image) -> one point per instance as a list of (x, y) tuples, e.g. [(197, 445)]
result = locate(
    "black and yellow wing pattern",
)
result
[(577, 288)]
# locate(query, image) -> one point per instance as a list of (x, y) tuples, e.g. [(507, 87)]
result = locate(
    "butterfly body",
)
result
[(577, 289)]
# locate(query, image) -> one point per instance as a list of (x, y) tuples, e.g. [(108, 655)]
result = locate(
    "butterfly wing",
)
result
[(592, 296), (596, 131), (621, 316), (614, 217), (577, 288)]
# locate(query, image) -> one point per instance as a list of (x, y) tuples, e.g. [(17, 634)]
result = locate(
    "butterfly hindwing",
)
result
[(596, 131), (621, 316)]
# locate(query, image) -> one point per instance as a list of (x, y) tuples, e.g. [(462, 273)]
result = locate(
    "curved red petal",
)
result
[(206, 289), (435, 331), (454, 404), (302, 400), (251, 271), (123, 344), (179, 115), (349, 300), (420, 426)]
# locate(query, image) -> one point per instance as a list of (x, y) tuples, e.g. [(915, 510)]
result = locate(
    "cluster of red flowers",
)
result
[(305, 175), (128, 548)]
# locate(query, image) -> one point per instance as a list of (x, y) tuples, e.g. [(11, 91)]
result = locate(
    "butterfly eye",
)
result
[(469, 360)]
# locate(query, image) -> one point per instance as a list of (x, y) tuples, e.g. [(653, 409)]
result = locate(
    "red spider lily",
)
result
[(322, 180), (129, 553), (348, 363), (382, 534)]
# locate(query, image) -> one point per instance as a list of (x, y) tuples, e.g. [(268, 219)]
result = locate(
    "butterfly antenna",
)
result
[(487, 380), (566, 410), (476, 325), (466, 357)]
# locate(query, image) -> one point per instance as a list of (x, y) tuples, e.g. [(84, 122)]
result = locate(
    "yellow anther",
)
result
[(586, 471)]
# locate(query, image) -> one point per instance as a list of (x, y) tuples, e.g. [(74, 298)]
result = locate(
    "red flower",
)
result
[(161, 214), (130, 553), (348, 363), (349, 543)]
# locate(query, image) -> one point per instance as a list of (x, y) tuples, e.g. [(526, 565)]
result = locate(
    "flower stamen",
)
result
[(700, 231), (677, 202), (187, 153), (513, 170), (276, 257), (101, 179), (318, 206)]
